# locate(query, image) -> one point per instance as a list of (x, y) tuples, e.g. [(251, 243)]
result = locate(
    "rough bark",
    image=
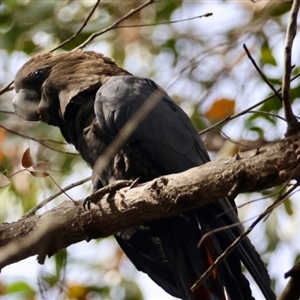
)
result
[(69, 223)]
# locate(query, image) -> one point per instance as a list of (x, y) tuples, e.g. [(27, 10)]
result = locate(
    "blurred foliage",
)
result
[(201, 63)]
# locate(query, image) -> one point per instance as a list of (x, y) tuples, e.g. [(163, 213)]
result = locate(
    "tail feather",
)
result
[(167, 251), (254, 265), (245, 251)]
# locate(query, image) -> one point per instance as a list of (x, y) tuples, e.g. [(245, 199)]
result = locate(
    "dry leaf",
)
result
[(220, 109), (39, 174), (42, 165), (2, 134), (27, 159)]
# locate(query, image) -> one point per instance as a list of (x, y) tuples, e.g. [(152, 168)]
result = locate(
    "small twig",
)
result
[(263, 76), (293, 124), (6, 88), (38, 141), (79, 30), (7, 112), (49, 199), (228, 138), (114, 25), (53, 141), (237, 207), (267, 114), (165, 22), (62, 190), (230, 248)]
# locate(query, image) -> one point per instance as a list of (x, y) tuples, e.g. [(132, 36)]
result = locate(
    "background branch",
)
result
[(71, 38), (114, 25), (293, 125)]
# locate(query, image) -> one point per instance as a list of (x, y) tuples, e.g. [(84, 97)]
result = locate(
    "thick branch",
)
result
[(169, 195)]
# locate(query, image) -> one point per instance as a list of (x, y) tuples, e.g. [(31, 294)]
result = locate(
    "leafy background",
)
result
[(202, 65)]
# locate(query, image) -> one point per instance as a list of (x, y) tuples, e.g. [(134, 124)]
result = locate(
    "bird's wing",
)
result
[(167, 138), (166, 133)]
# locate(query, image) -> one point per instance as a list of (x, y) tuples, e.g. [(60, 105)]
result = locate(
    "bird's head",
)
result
[(28, 86), (47, 83)]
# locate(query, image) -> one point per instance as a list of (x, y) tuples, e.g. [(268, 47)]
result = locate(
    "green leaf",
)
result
[(288, 206), (51, 280), (20, 287), (60, 261), (272, 105), (267, 56), (280, 8), (295, 93), (257, 129), (198, 119)]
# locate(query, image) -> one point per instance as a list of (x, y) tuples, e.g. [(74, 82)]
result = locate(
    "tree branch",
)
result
[(114, 25), (166, 196), (293, 124), (71, 38), (7, 88), (292, 289), (262, 75)]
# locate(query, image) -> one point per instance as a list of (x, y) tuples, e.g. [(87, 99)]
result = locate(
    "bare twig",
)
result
[(166, 22), (229, 249), (42, 142), (79, 30), (62, 190), (114, 25), (263, 76), (293, 125), (6, 88), (49, 199), (6, 112), (53, 141), (267, 114)]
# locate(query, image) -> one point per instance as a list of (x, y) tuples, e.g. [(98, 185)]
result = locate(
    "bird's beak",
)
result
[(25, 105)]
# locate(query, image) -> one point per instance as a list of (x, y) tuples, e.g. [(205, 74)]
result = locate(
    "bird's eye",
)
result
[(38, 73)]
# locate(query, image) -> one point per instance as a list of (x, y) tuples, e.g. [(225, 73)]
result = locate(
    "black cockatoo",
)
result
[(90, 98)]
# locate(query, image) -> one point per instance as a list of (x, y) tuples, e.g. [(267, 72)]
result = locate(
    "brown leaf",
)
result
[(4, 181), (27, 159), (42, 165), (39, 174), (2, 134), (220, 109)]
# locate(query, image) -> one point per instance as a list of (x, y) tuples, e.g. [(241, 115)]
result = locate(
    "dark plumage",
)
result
[(90, 98)]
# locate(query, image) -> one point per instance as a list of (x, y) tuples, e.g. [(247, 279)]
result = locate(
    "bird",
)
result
[(90, 98)]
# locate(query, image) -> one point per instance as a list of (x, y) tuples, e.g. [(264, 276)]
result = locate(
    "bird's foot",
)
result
[(109, 189)]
